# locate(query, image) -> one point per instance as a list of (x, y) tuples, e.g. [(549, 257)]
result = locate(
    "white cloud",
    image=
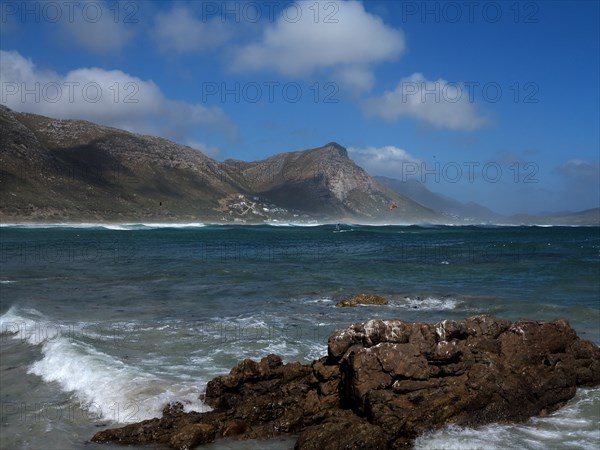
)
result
[(109, 97), (97, 25), (580, 169), (349, 41), (359, 79), (179, 31), (439, 103), (387, 160)]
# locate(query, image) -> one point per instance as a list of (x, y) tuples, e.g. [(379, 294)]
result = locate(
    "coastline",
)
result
[(182, 224), (177, 308), (471, 372)]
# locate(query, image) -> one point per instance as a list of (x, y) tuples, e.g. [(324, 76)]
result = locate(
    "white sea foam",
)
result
[(107, 226), (321, 300), (573, 426), (28, 325), (429, 303), (58, 225), (168, 225), (151, 225), (108, 388), (255, 336), (114, 227), (292, 224), (7, 281)]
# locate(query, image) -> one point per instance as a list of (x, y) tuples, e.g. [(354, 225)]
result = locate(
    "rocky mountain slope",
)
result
[(70, 170), (449, 207), (457, 212), (586, 217), (75, 170), (325, 181)]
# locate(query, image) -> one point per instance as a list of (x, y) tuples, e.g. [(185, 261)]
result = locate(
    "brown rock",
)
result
[(235, 428), (342, 433), (385, 382), (363, 299), (192, 435)]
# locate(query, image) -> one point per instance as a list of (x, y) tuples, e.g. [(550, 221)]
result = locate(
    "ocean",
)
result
[(102, 325)]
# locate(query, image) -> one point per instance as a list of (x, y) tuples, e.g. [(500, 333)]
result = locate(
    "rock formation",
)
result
[(363, 299), (326, 181), (384, 382)]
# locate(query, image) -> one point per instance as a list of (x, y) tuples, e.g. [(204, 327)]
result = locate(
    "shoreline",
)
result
[(375, 374), (73, 224)]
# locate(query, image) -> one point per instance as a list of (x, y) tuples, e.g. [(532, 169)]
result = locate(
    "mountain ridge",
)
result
[(75, 170), (449, 207), (56, 170)]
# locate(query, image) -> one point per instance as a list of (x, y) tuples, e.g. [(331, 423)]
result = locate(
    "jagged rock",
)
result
[(363, 299), (192, 435), (346, 431), (384, 382), (235, 428)]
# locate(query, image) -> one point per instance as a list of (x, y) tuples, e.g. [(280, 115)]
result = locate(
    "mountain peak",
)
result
[(336, 148), (158, 180)]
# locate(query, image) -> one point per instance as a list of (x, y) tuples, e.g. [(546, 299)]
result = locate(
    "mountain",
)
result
[(76, 170), (72, 170), (325, 181), (457, 212), (586, 217), (450, 208)]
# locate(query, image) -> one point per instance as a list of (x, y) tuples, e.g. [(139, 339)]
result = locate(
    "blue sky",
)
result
[(493, 102)]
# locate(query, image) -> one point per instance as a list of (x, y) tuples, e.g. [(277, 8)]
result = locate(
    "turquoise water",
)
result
[(103, 325)]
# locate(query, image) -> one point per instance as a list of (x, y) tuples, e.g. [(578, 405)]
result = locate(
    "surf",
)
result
[(104, 385)]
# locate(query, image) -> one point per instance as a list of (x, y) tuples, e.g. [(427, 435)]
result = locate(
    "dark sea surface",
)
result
[(104, 324)]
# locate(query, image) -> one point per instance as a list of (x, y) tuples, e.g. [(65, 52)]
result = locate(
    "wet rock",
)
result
[(347, 432), (192, 435), (385, 382), (363, 299), (235, 428)]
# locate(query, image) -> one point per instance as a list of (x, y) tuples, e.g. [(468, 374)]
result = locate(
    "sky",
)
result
[(496, 102)]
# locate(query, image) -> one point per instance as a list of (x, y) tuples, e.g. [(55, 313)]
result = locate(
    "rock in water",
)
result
[(384, 382), (363, 299)]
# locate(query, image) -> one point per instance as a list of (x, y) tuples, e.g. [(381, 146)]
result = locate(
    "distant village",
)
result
[(241, 208)]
